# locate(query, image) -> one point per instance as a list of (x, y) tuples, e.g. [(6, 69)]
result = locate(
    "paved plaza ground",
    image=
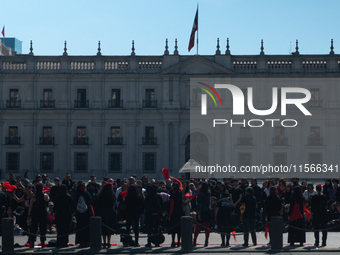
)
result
[(333, 244)]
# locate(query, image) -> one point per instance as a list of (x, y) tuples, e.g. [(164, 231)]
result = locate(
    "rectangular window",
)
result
[(14, 101), (115, 162), (149, 162), (47, 131), (115, 132), (80, 162), (245, 138), (13, 136), (279, 138), (115, 98), (315, 158), (81, 132), (46, 162), (13, 162), (315, 98), (13, 94), (244, 159), (47, 95), (280, 159), (150, 101), (315, 138), (81, 101), (149, 136), (47, 138)]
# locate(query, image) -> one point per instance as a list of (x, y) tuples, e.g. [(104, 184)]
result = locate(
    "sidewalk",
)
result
[(333, 244)]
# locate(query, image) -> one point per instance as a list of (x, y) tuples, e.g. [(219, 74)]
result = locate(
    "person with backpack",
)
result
[(153, 214), (84, 211)]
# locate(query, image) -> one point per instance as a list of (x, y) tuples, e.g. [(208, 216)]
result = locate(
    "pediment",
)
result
[(197, 65)]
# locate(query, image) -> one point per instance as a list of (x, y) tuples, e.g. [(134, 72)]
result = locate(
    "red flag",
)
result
[(3, 31), (266, 231), (234, 234), (165, 172), (194, 29), (307, 212)]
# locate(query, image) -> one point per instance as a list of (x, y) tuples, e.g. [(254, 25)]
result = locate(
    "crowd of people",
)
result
[(156, 206)]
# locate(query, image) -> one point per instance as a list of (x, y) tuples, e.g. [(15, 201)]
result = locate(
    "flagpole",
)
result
[(197, 32)]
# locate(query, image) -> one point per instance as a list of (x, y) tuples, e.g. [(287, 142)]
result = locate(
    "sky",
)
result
[(82, 23)]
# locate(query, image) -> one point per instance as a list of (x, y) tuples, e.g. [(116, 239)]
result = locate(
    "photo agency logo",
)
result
[(238, 104)]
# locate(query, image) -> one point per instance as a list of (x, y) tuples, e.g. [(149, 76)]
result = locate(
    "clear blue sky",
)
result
[(82, 23)]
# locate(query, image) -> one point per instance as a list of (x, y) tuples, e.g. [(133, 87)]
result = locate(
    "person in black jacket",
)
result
[(258, 195), (134, 211), (63, 207), (106, 209), (319, 215), (248, 216), (153, 214), (83, 213), (273, 206)]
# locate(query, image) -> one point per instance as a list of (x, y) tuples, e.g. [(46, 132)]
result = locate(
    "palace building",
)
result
[(124, 115)]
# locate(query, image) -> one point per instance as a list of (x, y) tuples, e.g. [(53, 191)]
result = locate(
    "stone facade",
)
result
[(62, 113)]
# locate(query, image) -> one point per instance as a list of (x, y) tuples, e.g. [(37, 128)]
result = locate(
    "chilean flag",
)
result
[(3, 31), (194, 29)]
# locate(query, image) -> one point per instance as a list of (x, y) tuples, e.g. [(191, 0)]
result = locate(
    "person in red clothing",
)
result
[(175, 211), (296, 219)]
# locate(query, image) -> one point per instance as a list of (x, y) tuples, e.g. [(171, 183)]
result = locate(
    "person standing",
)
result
[(153, 214), (84, 211), (107, 210), (175, 211), (38, 214), (248, 216), (63, 215), (296, 231), (134, 211), (273, 207), (236, 194), (319, 215), (203, 213), (68, 181), (225, 218)]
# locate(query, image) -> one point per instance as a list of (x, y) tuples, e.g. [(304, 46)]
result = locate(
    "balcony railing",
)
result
[(245, 141), (149, 140), (115, 140), (280, 140), (46, 140), (81, 103), (149, 103), (47, 103), (113, 103), (13, 103), (80, 140), (315, 141), (315, 103), (12, 140)]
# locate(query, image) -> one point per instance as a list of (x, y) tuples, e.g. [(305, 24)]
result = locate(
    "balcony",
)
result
[(47, 103), (81, 103), (315, 141), (80, 141), (277, 140), (13, 103), (12, 140), (149, 140), (245, 141), (46, 140), (149, 103), (314, 104), (113, 103), (115, 140)]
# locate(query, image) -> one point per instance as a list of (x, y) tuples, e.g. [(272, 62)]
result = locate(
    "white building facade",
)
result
[(130, 115)]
